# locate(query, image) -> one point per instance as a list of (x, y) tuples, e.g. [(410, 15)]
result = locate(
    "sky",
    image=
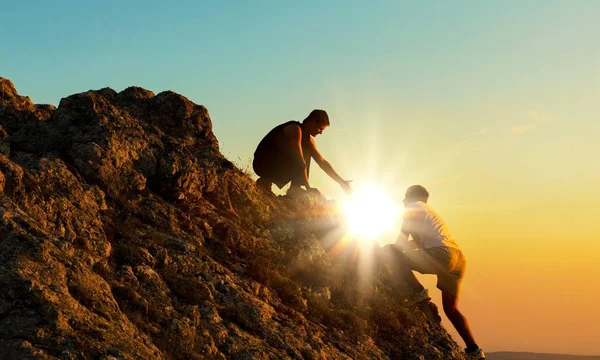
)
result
[(492, 106)]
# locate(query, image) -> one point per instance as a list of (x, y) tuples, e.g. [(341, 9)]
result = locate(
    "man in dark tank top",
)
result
[(285, 153)]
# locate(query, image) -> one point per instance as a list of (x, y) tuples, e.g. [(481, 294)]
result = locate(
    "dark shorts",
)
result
[(279, 168)]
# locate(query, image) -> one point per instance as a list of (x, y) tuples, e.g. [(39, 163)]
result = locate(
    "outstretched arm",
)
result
[(329, 170)]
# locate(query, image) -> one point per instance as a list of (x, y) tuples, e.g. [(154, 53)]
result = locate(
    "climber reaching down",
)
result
[(285, 153)]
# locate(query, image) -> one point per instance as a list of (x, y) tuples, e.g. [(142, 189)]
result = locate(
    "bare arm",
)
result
[(404, 243), (294, 134), (327, 168), (408, 229)]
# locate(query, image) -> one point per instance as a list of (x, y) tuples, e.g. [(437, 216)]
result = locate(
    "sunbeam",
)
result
[(370, 212)]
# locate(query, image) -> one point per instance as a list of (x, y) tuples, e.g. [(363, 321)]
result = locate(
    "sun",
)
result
[(370, 212)]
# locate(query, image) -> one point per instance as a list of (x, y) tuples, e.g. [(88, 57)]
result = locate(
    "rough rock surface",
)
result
[(125, 234)]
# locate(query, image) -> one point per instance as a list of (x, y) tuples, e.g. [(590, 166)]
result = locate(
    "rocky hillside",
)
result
[(125, 234)]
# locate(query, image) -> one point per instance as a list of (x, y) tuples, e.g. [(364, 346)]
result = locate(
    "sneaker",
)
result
[(475, 354), (418, 298), (264, 184)]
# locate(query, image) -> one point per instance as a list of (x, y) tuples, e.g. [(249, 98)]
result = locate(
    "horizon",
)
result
[(491, 106)]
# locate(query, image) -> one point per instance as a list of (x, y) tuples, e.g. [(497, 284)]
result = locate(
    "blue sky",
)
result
[(254, 64), (493, 105)]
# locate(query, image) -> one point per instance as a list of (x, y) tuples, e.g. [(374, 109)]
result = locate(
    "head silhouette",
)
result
[(416, 193), (316, 122)]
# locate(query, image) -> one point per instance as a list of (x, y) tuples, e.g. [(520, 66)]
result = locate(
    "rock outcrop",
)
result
[(125, 234)]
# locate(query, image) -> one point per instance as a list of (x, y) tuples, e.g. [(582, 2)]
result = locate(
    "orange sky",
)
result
[(532, 281)]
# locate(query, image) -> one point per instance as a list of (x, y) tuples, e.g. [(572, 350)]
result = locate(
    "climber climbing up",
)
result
[(431, 251), (284, 155)]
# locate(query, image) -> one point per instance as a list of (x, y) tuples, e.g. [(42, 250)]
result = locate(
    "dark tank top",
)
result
[(275, 143)]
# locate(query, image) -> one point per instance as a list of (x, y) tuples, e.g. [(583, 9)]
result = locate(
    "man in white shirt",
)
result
[(432, 251)]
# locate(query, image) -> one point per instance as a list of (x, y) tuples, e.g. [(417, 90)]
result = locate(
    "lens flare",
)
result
[(370, 212)]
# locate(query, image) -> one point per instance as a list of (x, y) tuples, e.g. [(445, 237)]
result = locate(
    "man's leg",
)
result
[(297, 177), (265, 184), (261, 168), (450, 304), (272, 170), (295, 187), (407, 274), (403, 266)]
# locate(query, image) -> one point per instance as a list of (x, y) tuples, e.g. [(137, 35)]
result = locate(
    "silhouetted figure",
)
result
[(432, 251), (284, 155)]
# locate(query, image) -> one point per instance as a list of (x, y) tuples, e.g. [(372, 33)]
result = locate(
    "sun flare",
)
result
[(370, 212)]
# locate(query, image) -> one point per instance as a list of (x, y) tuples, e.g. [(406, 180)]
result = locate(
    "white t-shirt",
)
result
[(426, 226)]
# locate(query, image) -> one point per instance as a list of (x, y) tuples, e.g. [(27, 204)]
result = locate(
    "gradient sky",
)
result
[(492, 105)]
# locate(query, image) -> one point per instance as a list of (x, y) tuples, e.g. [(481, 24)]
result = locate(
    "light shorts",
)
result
[(447, 263)]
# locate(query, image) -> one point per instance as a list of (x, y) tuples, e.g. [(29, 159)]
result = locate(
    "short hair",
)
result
[(320, 116), (417, 192)]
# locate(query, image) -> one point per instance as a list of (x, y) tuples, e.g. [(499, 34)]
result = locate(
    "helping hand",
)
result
[(346, 186)]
